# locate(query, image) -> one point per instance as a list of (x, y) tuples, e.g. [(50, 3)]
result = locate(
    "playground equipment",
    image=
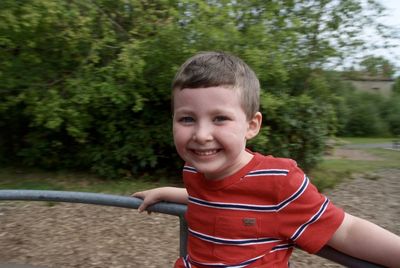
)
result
[(162, 207)]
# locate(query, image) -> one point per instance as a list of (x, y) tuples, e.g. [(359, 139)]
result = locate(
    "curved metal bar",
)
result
[(90, 198), (162, 207), (343, 259)]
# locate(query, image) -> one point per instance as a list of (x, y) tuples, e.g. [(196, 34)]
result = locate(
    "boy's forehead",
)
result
[(209, 96), (215, 88), (192, 92)]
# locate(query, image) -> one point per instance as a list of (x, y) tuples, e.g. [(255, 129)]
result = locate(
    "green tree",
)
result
[(391, 114), (73, 83), (86, 84), (295, 127), (377, 66), (396, 86), (365, 117)]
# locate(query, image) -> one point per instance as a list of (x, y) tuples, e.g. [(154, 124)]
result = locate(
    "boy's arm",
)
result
[(367, 241), (170, 194)]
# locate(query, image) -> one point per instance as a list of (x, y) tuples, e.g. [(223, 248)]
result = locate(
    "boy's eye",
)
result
[(186, 119), (220, 118)]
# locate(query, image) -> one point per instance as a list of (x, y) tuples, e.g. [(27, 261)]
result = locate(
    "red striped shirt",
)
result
[(255, 217)]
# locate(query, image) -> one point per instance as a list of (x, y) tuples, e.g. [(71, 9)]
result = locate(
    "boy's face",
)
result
[(210, 130)]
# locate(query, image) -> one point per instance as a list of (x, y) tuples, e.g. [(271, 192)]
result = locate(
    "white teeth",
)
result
[(206, 153)]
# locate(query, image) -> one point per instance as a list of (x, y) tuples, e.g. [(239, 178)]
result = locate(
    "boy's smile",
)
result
[(210, 130)]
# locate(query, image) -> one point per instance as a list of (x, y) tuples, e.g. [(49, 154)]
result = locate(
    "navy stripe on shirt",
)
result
[(252, 207)]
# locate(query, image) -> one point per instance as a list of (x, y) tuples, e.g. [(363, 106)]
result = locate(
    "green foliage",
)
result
[(365, 116), (86, 84), (396, 86), (391, 114), (77, 95), (297, 127), (377, 67)]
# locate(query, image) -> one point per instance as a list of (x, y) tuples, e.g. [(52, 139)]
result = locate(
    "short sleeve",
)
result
[(307, 217)]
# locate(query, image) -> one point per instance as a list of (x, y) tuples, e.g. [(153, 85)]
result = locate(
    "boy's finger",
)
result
[(138, 195), (141, 208)]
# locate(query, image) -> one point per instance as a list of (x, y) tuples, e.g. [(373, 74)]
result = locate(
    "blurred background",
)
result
[(85, 85)]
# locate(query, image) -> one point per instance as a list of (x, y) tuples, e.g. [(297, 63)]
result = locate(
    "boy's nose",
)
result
[(202, 134)]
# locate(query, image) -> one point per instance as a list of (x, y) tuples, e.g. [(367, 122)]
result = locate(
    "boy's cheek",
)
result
[(179, 137), (181, 133), (179, 142)]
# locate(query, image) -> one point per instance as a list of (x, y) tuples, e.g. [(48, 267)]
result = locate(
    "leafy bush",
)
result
[(365, 116), (86, 84), (396, 86), (295, 127), (391, 114)]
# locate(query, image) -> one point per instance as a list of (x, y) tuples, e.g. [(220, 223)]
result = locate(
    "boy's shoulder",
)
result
[(281, 172), (269, 161)]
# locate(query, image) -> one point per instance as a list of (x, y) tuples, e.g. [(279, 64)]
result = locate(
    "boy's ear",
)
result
[(254, 126)]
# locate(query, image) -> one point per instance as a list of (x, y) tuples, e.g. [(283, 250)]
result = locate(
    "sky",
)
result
[(392, 19)]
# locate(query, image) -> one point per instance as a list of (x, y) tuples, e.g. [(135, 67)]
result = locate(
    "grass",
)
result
[(16, 178), (333, 171), (352, 140), (326, 175)]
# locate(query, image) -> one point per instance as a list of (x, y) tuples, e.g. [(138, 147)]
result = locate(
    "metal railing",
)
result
[(162, 207)]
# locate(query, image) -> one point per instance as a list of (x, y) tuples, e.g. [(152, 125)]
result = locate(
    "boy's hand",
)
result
[(149, 197), (169, 194)]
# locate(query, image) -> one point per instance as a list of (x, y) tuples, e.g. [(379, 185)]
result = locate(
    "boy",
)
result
[(246, 209)]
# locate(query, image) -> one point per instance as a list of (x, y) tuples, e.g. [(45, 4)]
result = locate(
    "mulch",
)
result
[(88, 236)]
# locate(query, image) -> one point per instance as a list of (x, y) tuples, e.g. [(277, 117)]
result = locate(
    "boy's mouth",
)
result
[(205, 152)]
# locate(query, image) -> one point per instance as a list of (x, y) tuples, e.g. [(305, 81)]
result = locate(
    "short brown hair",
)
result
[(213, 69)]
